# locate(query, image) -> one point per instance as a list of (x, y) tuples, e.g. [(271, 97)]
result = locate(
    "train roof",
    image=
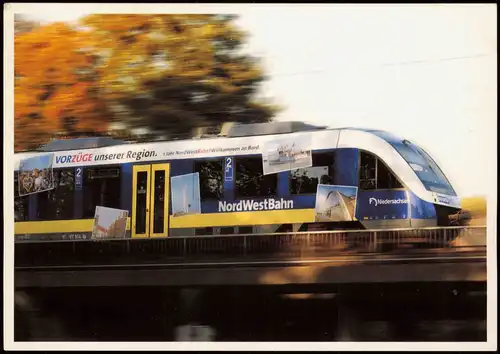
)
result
[(257, 130), (79, 143), (272, 128), (239, 134)]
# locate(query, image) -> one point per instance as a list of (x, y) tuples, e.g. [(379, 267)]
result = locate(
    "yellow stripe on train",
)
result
[(56, 226), (243, 218), (186, 221)]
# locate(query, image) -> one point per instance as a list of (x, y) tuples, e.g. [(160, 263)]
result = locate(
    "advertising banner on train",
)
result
[(380, 205), (166, 151), (335, 203), (36, 175), (186, 194), (286, 154), (109, 223)]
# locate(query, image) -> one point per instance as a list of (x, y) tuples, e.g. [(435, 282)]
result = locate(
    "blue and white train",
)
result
[(271, 177)]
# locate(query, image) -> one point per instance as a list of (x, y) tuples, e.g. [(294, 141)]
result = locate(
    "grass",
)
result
[(476, 206)]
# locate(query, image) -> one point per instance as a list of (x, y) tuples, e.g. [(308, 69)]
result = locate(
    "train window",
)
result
[(141, 200), (374, 174), (367, 171), (385, 178), (250, 180), (21, 203), (57, 203), (306, 180), (211, 179), (159, 202), (101, 187)]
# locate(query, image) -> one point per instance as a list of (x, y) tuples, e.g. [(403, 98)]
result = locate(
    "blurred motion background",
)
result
[(134, 77)]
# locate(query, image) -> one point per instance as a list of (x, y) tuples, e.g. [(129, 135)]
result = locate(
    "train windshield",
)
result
[(425, 167)]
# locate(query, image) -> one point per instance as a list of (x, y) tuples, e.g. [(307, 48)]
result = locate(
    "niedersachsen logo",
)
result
[(251, 205), (376, 201)]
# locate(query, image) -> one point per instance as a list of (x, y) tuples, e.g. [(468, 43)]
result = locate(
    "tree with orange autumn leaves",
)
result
[(55, 88), (166, 74)]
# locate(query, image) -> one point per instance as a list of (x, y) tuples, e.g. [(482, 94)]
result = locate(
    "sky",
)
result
[(345, 190), (39, 162), (424, 72)]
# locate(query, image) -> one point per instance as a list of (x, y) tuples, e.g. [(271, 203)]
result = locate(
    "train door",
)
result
[(150, 195)]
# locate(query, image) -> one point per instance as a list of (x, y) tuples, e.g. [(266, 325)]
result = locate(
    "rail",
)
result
[(297, 245)]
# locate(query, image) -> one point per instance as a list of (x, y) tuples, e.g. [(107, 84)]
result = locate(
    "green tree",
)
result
[(168, 74)]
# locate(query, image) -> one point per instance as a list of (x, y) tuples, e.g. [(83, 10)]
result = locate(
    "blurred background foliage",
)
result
[(136, 77)]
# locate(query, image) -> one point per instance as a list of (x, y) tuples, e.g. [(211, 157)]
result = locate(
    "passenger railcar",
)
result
[(245, 182)]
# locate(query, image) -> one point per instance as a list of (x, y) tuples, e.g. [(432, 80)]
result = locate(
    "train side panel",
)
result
[(289, 203)]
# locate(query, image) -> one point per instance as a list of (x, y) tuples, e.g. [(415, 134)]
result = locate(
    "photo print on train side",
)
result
[(36, 174), (109, 223), (335, 203), (286, 154), (186, 194)]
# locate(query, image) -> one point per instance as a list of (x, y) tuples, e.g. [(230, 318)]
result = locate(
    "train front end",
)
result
[(439, 189)]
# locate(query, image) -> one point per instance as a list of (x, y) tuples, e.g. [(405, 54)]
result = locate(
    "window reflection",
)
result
[(141, 202), (385, 178), (374, 174), (57, 203), (367, 171), (159, 201), (428, 171), (250, 180), (211, 179), (101, 187), (306, 180)]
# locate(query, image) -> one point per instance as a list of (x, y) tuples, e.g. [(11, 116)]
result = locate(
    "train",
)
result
[(254, 178)]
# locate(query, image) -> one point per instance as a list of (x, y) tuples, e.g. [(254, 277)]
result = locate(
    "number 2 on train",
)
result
[(78, 178), (228, 170)]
